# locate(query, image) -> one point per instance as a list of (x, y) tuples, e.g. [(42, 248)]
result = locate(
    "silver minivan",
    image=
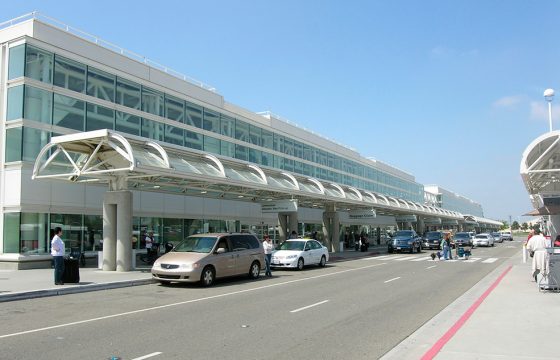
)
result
[(206, 257)]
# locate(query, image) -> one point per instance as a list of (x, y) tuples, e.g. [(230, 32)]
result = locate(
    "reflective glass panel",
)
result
[(38, 64), (100, 84), (69, 74), (15, 103), (227, 148), (34, 234), (174, 109), (152, 129), (33, 142), (172, 231), (267, 159), (211, 121), (99, 117), (69, 112), (255, 135), (11, 233), (267, 139), (152, 101), (174, 135), (193, 140), (211, 145), (228, 125), (16, 62), (13, 144), (255, 156), (93, 232), (38, 104), (278, 142), (72, 229), (241, 152), (298, 149), (288, 146), (241, 130), (128, 94), (194, 115), (127, 123)]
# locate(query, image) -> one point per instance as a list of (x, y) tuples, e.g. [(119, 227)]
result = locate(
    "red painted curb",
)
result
[(435, 349)]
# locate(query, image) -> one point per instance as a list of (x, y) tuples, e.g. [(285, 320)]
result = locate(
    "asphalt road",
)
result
[(357, 309)]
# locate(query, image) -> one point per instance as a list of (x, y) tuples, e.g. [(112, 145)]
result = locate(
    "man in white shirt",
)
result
[(57, 252), (538, 244), (150, 246), (268, 247)]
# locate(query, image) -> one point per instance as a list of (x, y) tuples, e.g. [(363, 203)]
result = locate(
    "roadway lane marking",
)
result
[(393, 279), (398, 257), (148, 356), (431, 267), (384, 257), (422, 258), (406, 258), (186, 302), (472, 259), (489, 260), (309, 306)]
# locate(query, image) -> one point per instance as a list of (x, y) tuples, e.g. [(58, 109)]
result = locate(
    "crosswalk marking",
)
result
[(427, 258), (490, 260), (472, 259), (405, 258), (422, 258)]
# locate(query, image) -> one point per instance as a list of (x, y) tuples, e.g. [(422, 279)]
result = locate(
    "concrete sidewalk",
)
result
[(28, 284)]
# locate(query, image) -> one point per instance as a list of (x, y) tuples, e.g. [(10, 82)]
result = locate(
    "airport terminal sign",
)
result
[(406, 218), (362, 214), (279, 206)]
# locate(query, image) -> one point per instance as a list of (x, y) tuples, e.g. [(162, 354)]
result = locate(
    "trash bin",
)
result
[(71, 270)]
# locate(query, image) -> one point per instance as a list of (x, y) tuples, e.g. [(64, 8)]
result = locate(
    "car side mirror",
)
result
[(220, 251)]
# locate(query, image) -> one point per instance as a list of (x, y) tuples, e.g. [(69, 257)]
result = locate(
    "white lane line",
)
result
[(187, 301), (431, 267), (489, 260), (472, 259), (410, 258), (393, 279), (382, 257), (422, 259), (397, 257), (148, 356), (309, 306)]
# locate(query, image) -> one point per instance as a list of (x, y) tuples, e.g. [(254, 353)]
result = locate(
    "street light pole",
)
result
[(548, 95)]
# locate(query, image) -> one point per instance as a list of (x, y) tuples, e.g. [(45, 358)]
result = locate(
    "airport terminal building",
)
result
[(107, 144)]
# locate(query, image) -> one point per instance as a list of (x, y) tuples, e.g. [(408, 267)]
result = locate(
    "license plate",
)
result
[(398, 248), (276, 263)]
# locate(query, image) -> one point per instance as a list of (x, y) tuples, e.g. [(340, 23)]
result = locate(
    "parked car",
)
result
[(484, 239), (298, 253), (407, 240), (432, 240), (497, 237), (506, 235), (463, 239), (206, 257)]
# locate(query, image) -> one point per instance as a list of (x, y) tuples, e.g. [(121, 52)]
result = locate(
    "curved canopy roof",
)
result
[(125, 161)]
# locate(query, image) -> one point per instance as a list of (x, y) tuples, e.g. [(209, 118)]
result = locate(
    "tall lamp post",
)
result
[(548, 95)]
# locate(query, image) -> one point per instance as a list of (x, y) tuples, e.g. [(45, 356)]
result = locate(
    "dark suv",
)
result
[(405, 240), (462, 239), (432, 240)]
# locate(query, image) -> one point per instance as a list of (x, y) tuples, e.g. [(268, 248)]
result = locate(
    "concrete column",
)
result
[(336, 232), (282, 227), (293, 222), (327, 229), (109, 235), (124, 231), (420, 227), (331, 228)]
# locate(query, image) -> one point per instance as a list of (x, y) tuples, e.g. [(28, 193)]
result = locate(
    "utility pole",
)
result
[(510, 223)]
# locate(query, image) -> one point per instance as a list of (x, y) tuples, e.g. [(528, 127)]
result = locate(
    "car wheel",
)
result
[(254, 270), (300, 264), (208, 275), (323, 262)]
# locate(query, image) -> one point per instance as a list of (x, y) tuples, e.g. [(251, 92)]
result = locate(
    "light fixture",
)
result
[(203, 192), (156, 186), (240, 196)]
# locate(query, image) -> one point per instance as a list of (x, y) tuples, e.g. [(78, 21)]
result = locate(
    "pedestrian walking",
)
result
[(536, 246), (268, 247), (445, 244), (57, 252)]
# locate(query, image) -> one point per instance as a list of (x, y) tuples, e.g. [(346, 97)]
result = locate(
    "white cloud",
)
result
[(508, 101), (539, 110)]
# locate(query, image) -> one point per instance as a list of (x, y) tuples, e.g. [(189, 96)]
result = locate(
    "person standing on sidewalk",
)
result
[(537, 246), (57, 252), (149, 246), (268, 247)]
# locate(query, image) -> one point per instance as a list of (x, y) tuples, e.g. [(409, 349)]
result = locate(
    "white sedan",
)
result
[(297, 253), (483, 240)]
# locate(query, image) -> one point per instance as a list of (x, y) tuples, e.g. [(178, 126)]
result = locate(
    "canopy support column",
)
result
[(117, 231), (331, 228)]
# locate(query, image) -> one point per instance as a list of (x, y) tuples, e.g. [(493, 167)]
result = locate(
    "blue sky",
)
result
[(449, 91)]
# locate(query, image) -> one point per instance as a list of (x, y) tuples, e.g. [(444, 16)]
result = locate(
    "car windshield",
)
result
[(404, 233), (481, 236), (462, 236), (291, 245), (196, 244), (433, 235), (495, 234)]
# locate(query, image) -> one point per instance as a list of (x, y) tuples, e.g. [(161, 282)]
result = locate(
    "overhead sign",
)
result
[(450, 222), (406, 218), (362, 214), (432, 221), (279, 206)]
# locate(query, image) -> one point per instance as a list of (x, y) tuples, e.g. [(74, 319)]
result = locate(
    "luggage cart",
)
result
[(463, 252)]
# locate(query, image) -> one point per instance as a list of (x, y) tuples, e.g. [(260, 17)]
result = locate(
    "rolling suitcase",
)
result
[(71, 271)]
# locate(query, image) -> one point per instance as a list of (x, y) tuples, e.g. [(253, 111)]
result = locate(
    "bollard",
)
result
[(524, 250)]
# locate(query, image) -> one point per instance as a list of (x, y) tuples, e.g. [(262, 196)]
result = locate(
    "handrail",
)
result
[(35, 15)]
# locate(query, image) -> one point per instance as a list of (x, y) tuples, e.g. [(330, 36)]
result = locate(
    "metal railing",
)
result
[(105, 44)]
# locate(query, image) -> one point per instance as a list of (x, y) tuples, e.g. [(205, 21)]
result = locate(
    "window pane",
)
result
[(194, 115), (13, 144), (69, 74), (174, 135), (152, 129), (99, 117), (228, 125), (241, 130), (38, 105), (34, 234), (128, 93), (266, 159), (15, 103), (211, 121), (33, 142), (11, 233), (174, 109), (241, 152), (16, 62), (255, 156), (255, 135), (288, 146), (127, 123), (227, 148), (278, 142), (266, 137), (172, 231), (69, 112), (93, 228), (211, 145), (101, 85), (71, 225), (38, 64), (193, 140), (152, 101)]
